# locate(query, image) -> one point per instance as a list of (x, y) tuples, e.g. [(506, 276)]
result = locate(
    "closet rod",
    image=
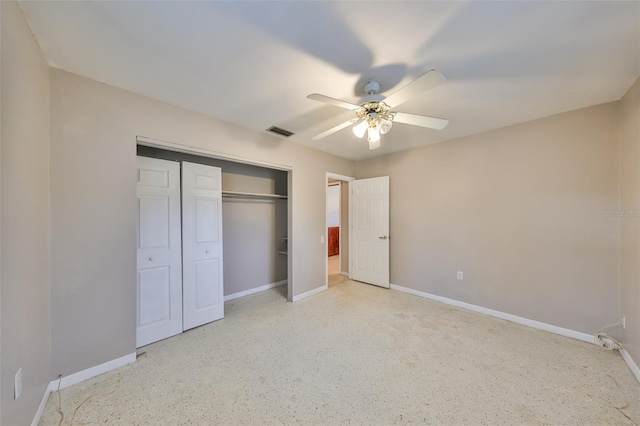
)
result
[(251, 195)]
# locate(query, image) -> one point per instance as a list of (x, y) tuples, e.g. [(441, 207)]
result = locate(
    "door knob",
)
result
[(206, 251), (383, 237), (151, 259)]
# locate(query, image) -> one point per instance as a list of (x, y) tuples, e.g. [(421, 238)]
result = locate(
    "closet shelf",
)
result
[(252, 195), (283, 252)]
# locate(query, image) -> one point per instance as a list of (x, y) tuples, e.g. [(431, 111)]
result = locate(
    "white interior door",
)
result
[(370, 230), (202, 284), (159, 260)]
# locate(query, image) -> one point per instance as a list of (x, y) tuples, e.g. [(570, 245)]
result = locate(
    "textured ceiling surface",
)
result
[(254, 63)]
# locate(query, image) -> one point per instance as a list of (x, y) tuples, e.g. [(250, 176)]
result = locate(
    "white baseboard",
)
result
[(520, 320), (309, 293), (631, 363), (346, 274), (509, 317), (89, 373), (254, 290), (78, 377), (43, 403)]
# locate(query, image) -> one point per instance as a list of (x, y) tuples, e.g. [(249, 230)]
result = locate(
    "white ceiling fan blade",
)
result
[(421, 120), (425, 82), (335, 129), (332, 101)]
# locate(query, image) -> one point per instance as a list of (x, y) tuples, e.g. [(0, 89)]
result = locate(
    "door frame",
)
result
[(176, 147), (343, 178)]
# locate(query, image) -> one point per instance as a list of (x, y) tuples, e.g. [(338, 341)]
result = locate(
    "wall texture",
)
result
[(520, 210), (25, 263), (630, 222), (93, 150)]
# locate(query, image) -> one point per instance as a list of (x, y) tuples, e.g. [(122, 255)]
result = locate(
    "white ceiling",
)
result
[(254, 63)]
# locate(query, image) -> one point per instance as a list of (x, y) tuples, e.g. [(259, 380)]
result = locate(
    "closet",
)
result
[(252, 253)]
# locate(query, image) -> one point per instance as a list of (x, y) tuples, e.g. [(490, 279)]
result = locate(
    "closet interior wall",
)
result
[(253, 229)]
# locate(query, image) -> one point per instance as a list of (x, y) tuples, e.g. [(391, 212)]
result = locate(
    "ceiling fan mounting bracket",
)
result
[(371, 87)]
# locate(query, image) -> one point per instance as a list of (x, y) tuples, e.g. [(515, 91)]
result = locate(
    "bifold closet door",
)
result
[(159, 259), (202, 290)]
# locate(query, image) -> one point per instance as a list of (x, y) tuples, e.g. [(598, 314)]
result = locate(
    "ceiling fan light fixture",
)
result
[(360, 128), (374, 144), (385, 126), (373, 135)]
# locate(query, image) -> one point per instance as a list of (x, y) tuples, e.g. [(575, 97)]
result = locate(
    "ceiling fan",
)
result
[(374, 114)]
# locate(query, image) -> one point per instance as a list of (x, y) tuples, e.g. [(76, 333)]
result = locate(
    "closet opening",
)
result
[(255, 213)]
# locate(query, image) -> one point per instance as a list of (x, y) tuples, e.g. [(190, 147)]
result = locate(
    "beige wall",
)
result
[(25, 311), (520, 210), (630, 222), (93, 150)]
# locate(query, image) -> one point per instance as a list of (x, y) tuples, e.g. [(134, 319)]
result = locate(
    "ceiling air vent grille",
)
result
[(279, 131)]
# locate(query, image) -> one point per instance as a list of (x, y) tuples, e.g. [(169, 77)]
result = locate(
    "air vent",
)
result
[(279, 131)]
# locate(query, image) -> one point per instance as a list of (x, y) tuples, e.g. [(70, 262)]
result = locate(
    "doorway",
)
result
[(364, 234), (337, 228), (255, 186), (255, 223)]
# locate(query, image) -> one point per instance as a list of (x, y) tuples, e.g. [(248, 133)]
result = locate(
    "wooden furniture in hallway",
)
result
[(334, 241)]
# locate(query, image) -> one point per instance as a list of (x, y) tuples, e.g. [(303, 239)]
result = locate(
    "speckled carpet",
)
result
[(357, 354)]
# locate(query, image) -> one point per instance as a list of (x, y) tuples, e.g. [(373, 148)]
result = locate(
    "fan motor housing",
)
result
[(372, 98)]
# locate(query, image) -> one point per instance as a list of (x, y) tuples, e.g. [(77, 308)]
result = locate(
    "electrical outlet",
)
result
[(322, 239), (460, 275), (622, 322), (17, 389)]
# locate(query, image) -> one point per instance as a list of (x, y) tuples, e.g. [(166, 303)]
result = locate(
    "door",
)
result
[(159, 261), (370, 230), (202, 293)]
